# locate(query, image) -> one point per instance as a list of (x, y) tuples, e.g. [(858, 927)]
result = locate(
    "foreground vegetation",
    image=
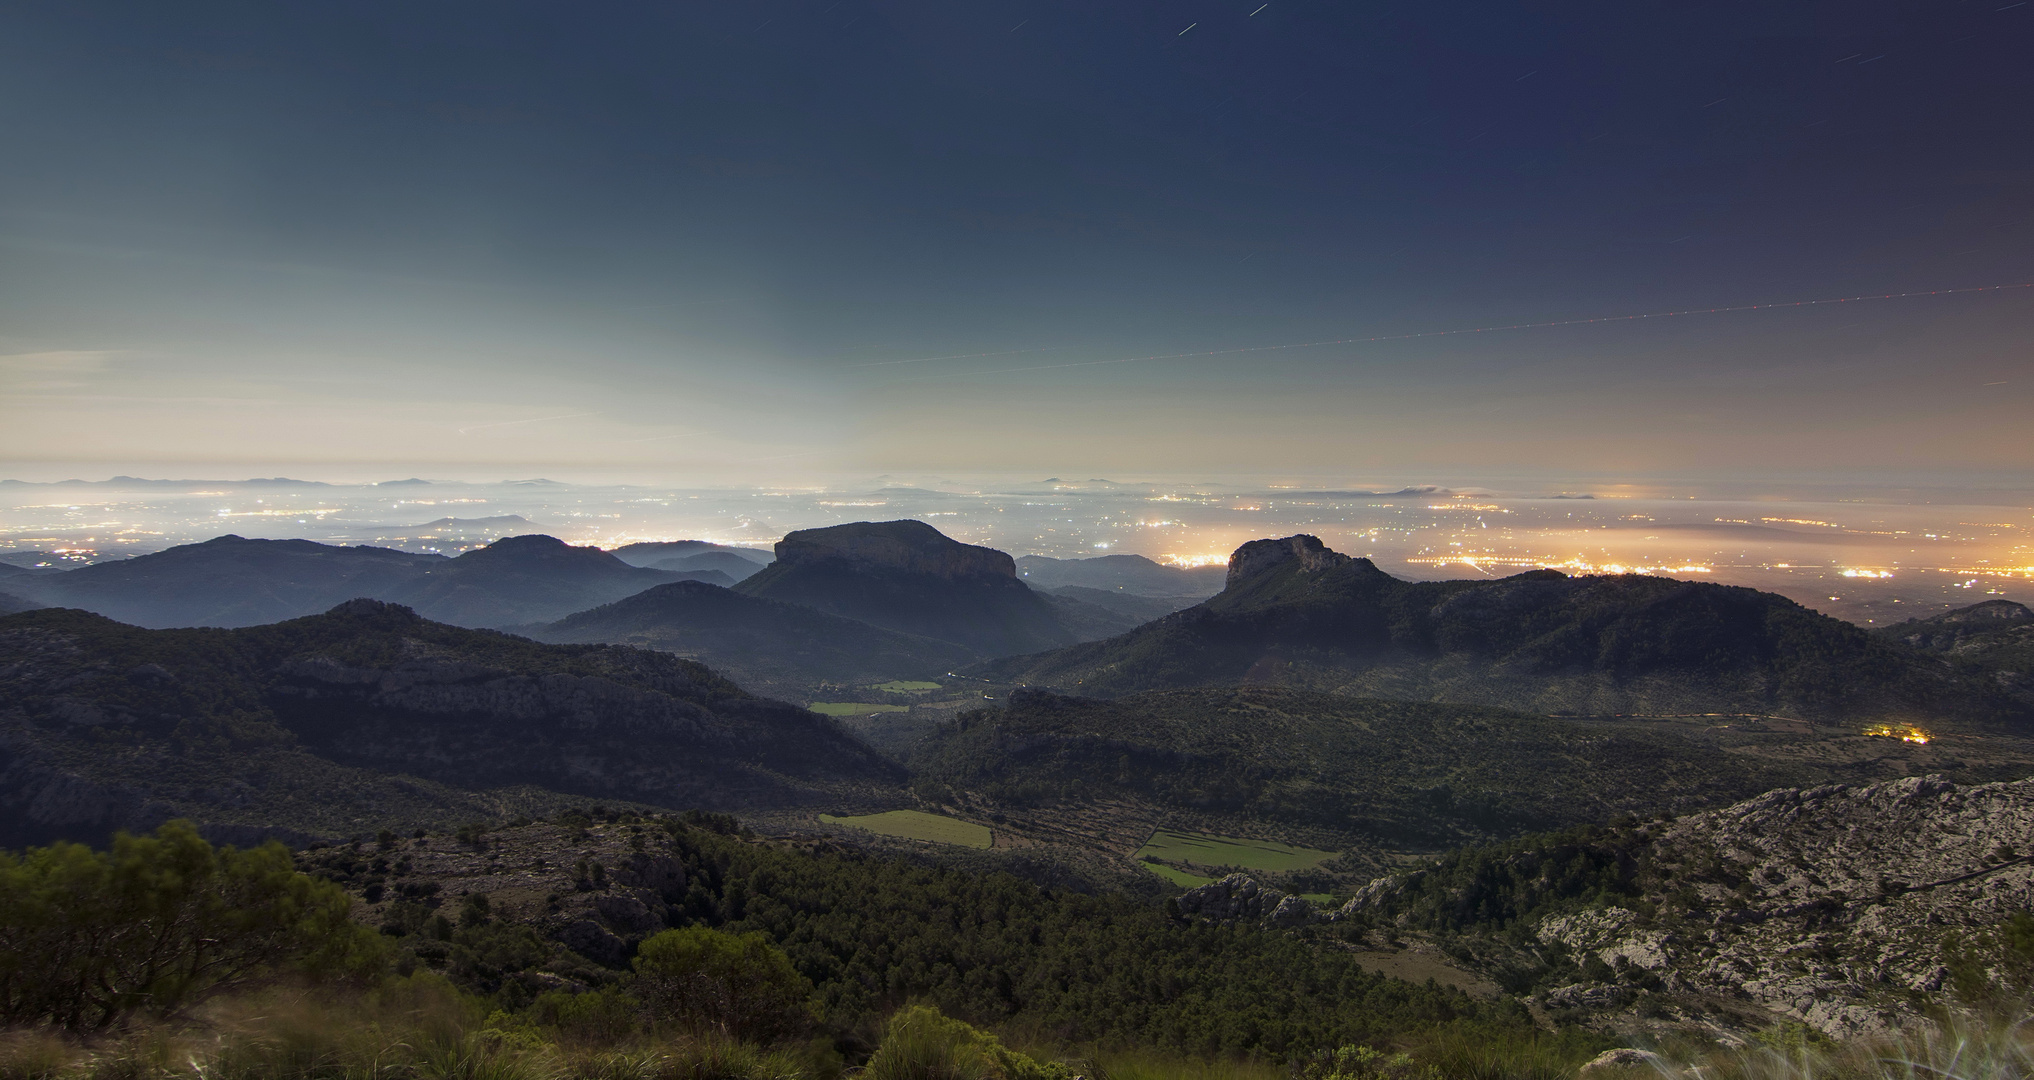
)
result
[(165, 957)]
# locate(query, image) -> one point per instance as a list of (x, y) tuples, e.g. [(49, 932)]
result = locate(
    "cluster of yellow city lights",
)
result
[(1193, 562), (1854, 572), (1573, 566), (1902, 732)]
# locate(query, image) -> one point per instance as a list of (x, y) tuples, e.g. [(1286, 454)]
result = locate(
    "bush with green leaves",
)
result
[(1362, 1063), (738, 986), (921, 1044), (87, 937)]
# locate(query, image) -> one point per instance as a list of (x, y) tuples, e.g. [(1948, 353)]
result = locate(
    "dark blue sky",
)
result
[(691, 237)]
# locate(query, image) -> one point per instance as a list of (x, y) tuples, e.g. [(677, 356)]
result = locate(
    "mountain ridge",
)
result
[(1296, 614)]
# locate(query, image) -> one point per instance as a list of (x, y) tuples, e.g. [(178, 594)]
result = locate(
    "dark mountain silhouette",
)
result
[(10, 603), (725, 563), (523, 579), (227, 581), (369, 716), (650, 553), (507, 522), (1094, 614), (1992, 641), (1133, 574), (907, 576), (1418, 775), (1295, 613), (761, 644)]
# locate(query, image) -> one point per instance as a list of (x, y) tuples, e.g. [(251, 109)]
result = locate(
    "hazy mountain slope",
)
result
[(523, 579), (1295, 613), (9, 604), (228, 581), (761, 644), (1993, 640), (104, 725), (650, 553), (906, 576), (1133, 574), (1094, 614), (725, 563), (1405, 773)]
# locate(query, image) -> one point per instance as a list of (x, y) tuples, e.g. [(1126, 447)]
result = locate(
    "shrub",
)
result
[(739, 986), (921, 1044), (87, 937)]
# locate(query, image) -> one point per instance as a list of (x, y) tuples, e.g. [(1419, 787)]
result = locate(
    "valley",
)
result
[(1316, 728)]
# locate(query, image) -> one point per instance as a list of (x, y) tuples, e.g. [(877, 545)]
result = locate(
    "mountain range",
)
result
[(908, 577), (369, 715), (765, 645), (1294, 613), (230, 581)]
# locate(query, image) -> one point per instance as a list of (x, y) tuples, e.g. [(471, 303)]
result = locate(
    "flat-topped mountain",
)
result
[(228, 581), (369, 715), (907, 576), (1295, 613), (763, 644)]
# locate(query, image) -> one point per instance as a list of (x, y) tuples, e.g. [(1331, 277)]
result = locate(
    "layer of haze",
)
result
[(742, 241)]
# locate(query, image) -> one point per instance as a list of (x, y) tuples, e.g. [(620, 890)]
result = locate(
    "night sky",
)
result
[(806, 237)]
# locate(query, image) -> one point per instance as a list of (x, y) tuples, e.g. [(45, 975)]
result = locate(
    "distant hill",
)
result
[(369, 716), (761, 644), (1094, 614), (907, 576), (230, 581), (725, 563), (1294, 613), (9, 604), (650, 553), (504, 522), (523, 579), (1406, 775), (1133, 574), (227, 581), (1993, 640)]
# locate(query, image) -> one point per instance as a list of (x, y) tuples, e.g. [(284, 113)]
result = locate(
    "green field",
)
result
[(918, 825), (1228, 851), (1178, 877), (853, 708), (902, 686)]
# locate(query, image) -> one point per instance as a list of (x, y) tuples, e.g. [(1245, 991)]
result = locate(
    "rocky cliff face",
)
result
[(1239, 898), (909, 546), (1846, 907), (1257, 556), (906, 576)]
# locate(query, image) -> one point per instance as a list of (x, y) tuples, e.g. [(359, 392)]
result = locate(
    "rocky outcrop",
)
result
[(1842, 906), (598, 890), (1258, 556), (1239, 898)]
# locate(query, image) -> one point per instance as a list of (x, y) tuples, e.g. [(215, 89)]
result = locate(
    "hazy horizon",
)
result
[(686, 244)]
